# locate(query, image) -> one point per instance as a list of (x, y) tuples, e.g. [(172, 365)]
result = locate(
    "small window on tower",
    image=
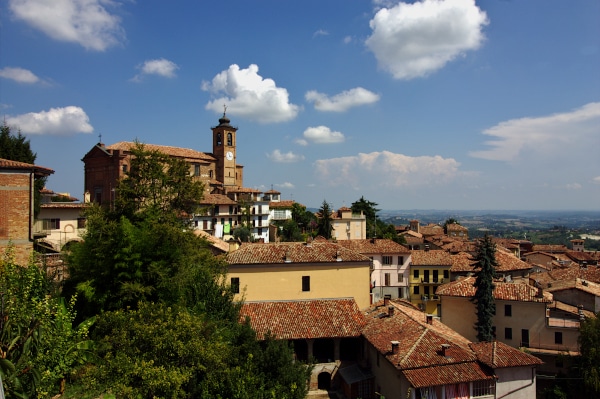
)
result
[(229, 139), (218, 138)]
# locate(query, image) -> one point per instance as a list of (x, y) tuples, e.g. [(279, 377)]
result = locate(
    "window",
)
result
[(426, 290), (305, 283), (218, 138), (387, 260), (235, 285), (508, 310), (81, 223), (51, 224), (446, 274), (508, 333), (124, 168), (196, 170), (416, 290), (400, 277), (210, 174), (416, 273), (484, 388), (400, 260), (387, 279), (229, 139), (435, 276), (558, 338)]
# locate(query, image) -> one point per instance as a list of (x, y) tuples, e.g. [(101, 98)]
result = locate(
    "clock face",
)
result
[(229, 155)]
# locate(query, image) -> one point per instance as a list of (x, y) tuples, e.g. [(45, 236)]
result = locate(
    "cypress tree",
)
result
[(485, 266)]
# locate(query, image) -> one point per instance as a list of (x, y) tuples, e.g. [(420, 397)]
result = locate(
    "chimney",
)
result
[(288, 259), (338, 257), (445, 348), (429, 319), (395, 347), (390, 310), (386, 299)]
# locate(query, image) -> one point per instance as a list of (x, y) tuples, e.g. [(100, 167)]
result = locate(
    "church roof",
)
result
[(178, 152)]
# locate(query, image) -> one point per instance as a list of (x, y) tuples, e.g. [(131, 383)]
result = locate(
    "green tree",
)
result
[(242, 233), (368, 208), (589, 347), (157, 186), (485, 268), (324, 222), (39, 344), (18, 148), (290, 231)]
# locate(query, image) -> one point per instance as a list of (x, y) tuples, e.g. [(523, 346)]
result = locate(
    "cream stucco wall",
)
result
[(459, 313), (516, 383), (284, 281)]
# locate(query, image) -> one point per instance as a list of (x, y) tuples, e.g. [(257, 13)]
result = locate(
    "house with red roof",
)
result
[(413, 355), (428, 269), (299, 270), (347, 225), (16, 199), (390, 269)]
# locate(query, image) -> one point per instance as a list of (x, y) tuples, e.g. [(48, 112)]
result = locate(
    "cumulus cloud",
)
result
[(161, 67), (343, 101), (387, 169), (249, 95), (321, 135), (596, 180), (19, 75), (57, 121), (320, 32), (86, 22), (288, 157), (547, 136), (414, 40)]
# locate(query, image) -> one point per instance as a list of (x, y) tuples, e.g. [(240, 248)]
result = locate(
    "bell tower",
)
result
[(224, 151)]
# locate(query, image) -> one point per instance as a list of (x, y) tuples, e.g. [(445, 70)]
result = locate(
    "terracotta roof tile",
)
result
[(578, 284), (549, 248), (165, 149), (281, 204), (374, 246), (295, 252), (38, 170), (217, 199), (434, 257), (309, 319), (502, 291), (499, 355), (447, 374), (507, 262)]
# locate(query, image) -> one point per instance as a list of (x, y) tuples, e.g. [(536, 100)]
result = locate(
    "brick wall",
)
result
[(15, 213)]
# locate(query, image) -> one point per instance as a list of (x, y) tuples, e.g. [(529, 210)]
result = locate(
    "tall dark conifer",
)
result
[(325, 224), (485, 269)]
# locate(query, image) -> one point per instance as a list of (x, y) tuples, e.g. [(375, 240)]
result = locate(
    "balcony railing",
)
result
[(432, 280)]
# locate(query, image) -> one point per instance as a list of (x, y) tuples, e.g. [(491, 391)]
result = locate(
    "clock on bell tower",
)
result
[(224, 151)]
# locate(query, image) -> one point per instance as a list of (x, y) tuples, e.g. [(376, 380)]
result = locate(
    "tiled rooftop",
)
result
[(507, 262), (499, 355), (374, 246), (217, 199), (309, 319), (502, 291), (431, 257), (165, 149), (578, 284), (9, 164), (287, 204), (294, 252)]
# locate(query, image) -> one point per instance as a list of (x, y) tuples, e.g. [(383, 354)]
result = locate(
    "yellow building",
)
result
[(428, 270), (348, 225), (297, 271)]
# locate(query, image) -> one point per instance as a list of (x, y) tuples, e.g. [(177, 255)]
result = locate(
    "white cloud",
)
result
[(19, 75), (288, 157), (321, 135), (347, 40), (286, 185), (57, 121), (573, 186), (567, 134), (320, 32), (343, 101), (86, 22), (161, 67), (387, 169), (414, 40), (596, 180), (249, 95)]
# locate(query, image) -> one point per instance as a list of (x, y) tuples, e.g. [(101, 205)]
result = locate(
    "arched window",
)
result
[(218, 138), (229, 139)]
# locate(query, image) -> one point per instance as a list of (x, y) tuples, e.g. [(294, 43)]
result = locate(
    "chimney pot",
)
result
[(429, 319), (445, 347), (386, 299), (395, 347)]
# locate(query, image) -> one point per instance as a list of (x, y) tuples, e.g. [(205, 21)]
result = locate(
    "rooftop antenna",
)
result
[(100, 138)]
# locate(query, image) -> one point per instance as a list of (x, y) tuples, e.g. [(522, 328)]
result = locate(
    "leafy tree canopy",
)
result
[(589, 347), (368, 208), (449, 221)]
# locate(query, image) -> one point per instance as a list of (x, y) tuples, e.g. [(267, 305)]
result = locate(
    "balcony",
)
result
[(425, 298), (432, 281)]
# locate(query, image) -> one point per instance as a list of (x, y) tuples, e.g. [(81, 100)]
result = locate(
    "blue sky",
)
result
[(432, 104)]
